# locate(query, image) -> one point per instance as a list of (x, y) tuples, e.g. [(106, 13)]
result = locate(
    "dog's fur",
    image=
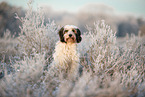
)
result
[(66, 56)]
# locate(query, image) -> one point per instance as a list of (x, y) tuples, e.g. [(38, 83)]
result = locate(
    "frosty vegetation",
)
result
[(108, 69)]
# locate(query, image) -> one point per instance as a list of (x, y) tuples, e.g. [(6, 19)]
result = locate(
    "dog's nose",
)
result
[(70, 35)]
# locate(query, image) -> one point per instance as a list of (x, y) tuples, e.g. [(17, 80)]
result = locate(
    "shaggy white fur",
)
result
[(66, 57), (70, 26)]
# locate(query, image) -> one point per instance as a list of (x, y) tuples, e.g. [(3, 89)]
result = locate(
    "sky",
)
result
[(135, 7)]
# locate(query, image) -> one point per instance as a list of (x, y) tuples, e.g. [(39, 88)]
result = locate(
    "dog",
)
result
[(66, 56)]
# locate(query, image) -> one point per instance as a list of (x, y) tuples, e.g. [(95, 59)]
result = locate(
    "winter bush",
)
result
[(35, 35), (108, 68), (7, 46)]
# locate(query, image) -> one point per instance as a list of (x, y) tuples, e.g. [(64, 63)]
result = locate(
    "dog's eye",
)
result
[(65, 31), (73, 30)]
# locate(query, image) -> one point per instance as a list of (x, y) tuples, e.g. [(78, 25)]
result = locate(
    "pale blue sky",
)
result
[(136, 7)]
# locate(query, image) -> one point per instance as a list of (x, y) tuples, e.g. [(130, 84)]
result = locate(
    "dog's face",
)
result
[(70, 34)]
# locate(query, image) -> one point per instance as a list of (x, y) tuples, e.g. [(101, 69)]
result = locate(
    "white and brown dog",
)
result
[(66, 56)]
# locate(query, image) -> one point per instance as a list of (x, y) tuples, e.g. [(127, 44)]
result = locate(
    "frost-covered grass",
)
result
[(7, 46), (108, 69)]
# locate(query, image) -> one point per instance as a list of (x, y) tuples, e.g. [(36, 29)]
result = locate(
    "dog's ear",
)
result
[(61, 34), (78, 36)]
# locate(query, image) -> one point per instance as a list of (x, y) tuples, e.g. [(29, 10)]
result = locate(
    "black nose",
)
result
[(70, 35)]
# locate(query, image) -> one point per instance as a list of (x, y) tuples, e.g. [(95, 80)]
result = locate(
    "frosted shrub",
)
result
[(35, 35), (26, 77), (7, 47), (132, 63), (102, 46), (114, 68), (36, 43)]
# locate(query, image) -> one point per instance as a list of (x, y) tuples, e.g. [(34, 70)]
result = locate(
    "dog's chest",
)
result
[(66, 52)]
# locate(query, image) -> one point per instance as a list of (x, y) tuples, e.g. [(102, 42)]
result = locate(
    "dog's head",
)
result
[(70, 34)]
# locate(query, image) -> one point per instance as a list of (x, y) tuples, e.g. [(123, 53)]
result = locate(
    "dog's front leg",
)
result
[(74, 69)]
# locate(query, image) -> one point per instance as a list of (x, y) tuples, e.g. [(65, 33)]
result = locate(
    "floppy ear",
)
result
[(61, 34), (78, 36)]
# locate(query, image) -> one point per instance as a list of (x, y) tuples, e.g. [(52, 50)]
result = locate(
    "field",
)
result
[(110, 67)]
